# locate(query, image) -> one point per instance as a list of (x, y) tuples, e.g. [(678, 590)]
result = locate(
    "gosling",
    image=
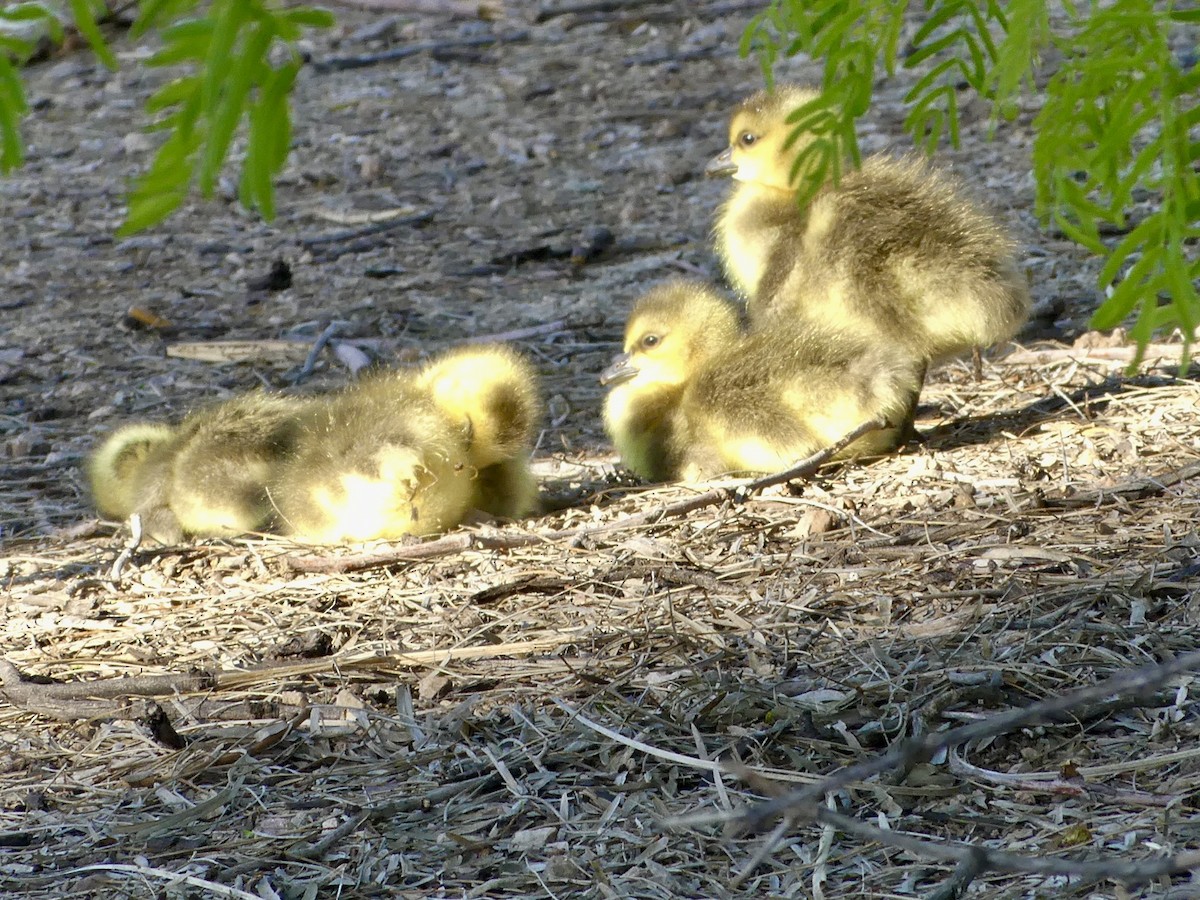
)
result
[(894, 250), (397, 454), (693, 397), (208, 476), (413, 453)]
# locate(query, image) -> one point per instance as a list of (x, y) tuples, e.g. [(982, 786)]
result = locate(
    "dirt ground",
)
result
[(542, 720)]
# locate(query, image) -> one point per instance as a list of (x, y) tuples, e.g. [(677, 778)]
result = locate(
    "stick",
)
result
[(907, 753), (457, 543), (339, 63), (455, 8)]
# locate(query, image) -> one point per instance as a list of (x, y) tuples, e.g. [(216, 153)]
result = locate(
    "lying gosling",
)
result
[(397, 454), (412, 453), (492, 392), (894, 250), (208, 476), (693, 397)]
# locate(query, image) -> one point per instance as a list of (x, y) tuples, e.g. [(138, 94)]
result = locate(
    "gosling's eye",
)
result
[(747, 138), (649, 341)]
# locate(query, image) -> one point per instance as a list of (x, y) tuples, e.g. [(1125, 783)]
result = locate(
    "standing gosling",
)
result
[(894, 250), (693, 397)]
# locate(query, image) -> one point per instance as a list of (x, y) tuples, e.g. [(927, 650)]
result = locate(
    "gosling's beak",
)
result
[(721, 164), (621, 370)]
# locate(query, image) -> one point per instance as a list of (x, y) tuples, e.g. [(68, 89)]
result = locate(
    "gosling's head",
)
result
[(493, 389), (671, 332), (761, 148)]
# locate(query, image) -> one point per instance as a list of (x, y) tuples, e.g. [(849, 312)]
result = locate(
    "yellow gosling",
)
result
[(693, 397), (895, 250)]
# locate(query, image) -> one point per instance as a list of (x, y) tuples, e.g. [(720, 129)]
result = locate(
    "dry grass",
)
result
[(411, 729), (545, 720)]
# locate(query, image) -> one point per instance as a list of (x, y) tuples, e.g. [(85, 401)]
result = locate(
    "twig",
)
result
[(465, 9), (802, 802), (519, 334), (18, 689), (1061, 785), (131, 545), (579, 7), (458, 543), (310, 361), (973, 860), (349, 234), (145, 873), (1154, 355), (968, 869), (93, 699), (339, 63), (101, 699), (1001, 861)]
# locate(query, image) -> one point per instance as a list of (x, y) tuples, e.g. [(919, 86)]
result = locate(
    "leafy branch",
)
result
[(1116, 124), (239, 60)]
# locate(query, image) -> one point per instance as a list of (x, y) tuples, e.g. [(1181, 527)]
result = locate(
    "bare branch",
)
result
[(802, 803)]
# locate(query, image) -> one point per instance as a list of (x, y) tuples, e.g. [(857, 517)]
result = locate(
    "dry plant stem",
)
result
[(803, 802), (457, 8), (998, 860), (314, 354), (14, 686), (967, 870), (336, 237), (338, 63), (1153, 355), (519, 334), (457, 543), (90, 700), (95, 699)]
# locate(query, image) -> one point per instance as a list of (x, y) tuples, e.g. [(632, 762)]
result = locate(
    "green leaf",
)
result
[(228, 113), (12, 91), (85, 21), (12, 104), (1127, 293), (1147, 232), (173, 93), (309, 17), (1187, 16), (228, 18), (184, 44), (147, 210), (29, 12)]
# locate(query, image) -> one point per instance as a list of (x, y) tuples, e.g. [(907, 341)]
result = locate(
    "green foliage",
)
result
[(14, 51), (1117, 123), (239, 62), (230, 77)]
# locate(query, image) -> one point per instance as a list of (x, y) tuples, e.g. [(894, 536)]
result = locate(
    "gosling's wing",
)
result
[(898, 250), (216, 483), (376, 461)]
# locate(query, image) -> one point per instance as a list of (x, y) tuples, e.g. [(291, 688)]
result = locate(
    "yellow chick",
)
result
[(378, 460), (492, 393), (692, 397), (206, 477), (114, 469), (894, 250), (408, 452), (412, 453)]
